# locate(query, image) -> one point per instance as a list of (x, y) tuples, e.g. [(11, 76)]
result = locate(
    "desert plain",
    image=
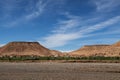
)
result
[(59, 71)]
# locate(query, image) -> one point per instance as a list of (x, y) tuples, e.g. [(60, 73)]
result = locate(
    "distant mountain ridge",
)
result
[(98, 50), (36, 49)]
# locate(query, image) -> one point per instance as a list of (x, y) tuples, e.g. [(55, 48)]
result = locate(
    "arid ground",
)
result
[(59, 71)]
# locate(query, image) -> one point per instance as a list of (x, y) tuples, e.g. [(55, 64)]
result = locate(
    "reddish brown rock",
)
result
[(25, 48)]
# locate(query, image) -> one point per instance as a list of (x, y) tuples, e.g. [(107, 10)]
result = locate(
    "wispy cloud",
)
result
[(65, 31), (39, 9), (88, 29), (33, 10), (36, 11), (62, 34), (106, 5), (41, 6), (65, 26), (57, 40)]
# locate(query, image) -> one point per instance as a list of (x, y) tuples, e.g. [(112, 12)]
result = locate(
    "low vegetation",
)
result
[(23, 58)]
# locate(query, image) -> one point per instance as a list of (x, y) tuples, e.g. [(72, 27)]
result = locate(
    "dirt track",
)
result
[(59, 71)]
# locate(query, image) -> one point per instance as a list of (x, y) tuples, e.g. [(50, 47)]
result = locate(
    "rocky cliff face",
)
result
[(24, 48), (98, 50)]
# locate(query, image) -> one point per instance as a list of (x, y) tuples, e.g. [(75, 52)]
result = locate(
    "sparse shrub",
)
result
[(23, 58)]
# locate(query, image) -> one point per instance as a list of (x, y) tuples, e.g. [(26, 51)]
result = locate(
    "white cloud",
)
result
[(2, 45), (106, 5), (65, 31), (57, 40)]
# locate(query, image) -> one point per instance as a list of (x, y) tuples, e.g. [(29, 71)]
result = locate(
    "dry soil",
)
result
[(59, 71)]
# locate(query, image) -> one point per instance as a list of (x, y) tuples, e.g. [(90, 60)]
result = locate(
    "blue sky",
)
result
[(63, 25)]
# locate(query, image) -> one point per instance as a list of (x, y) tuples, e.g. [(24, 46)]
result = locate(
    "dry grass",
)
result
[(59, 71)]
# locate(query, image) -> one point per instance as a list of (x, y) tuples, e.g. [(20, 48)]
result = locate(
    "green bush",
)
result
[(22, 58)]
